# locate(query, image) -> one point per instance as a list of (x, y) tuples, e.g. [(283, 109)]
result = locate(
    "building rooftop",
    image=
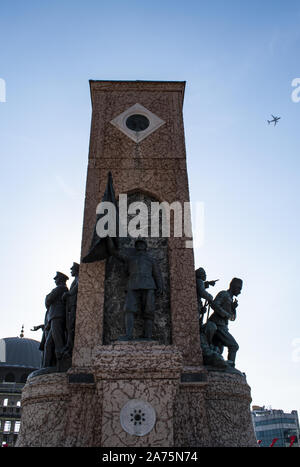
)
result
[(18, 351)]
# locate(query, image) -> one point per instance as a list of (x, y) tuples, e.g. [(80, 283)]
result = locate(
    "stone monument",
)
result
[(149, 388)]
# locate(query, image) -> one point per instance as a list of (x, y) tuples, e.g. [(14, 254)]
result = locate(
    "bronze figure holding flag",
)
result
[(144, 275)]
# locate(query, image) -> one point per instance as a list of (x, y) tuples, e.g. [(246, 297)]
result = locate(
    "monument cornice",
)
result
[(97, 86)]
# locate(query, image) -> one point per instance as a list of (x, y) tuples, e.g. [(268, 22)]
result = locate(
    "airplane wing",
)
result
[(273, 117)]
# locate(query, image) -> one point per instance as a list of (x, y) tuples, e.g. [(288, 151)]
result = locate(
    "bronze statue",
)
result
[(216, 333), (98, 249), (70, 299), (145, 280), (56, 322), (45, 330), (202, 284)]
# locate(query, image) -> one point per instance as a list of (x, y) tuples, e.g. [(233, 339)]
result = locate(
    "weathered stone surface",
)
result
[(129, 360), (212, 413), (143, 371), (84, 416), (56, 413), (190, 420), (227, 401), (44, 411), (159, 393), (215, 413), (89, 321)]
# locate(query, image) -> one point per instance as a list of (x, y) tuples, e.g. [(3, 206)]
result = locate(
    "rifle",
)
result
[(201, 315)]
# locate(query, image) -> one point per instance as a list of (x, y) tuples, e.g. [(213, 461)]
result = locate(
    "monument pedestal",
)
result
[(87, 406), (147, 374), (137, 395), (45, 405), (215, 412), (190, 424), (227, 401)]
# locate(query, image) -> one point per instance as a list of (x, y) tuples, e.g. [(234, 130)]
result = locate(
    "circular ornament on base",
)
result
[(137, 417)]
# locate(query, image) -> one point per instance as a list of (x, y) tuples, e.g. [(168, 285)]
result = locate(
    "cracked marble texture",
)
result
[(227, 399), (147, 372)]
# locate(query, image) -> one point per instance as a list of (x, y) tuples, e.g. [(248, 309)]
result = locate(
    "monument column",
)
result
[(152, 162), (137, 135)]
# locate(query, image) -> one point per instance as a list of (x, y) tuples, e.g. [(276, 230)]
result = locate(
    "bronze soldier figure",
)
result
[(144, 281), (216, 328), (70, 299), (45, 330), (202, 284), (56, 327)]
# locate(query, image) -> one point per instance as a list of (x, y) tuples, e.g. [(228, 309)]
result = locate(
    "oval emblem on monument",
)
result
[(137, 417)]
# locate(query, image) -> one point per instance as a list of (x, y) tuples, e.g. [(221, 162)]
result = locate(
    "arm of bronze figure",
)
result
[(36, 328), (114, 252), (55, 294), (49, 298), (212, 283), (202, 292)]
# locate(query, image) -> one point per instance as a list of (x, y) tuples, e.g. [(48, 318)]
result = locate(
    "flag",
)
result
[(98, 249), (273, 442), (292, 440)]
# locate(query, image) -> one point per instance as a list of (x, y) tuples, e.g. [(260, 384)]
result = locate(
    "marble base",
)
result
[(137, 371), (83, 406), (45, 404), (215, 412), (227, 401), (192, 407)]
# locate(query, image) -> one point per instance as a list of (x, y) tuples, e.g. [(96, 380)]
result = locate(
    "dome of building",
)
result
[(18, 351)]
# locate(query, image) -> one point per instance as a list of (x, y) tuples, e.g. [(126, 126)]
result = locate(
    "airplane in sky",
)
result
[(275, 120)]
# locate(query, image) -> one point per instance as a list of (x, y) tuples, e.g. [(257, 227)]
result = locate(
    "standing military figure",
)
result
[(70, 298), (45, 330), (216, 328), (202, 284), (144, 282), (56, 326)]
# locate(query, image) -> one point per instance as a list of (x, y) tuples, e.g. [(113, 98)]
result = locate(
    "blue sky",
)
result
[(238, 59)]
